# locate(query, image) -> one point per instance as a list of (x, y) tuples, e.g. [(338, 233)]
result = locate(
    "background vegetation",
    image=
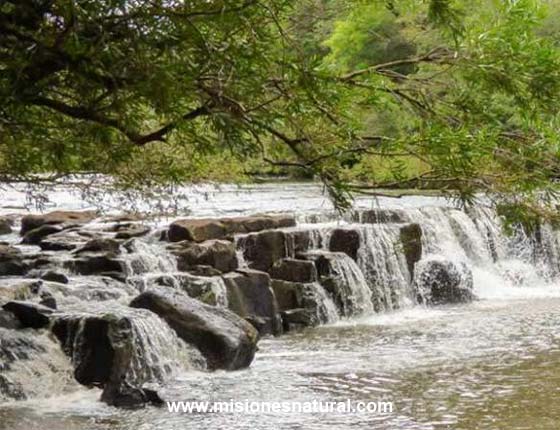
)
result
[(456, 95)]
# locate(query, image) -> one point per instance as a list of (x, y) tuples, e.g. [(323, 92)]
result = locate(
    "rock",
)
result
[(5, 225), (298, 241), (200, 230), (130, 231), (250, 295), (287, 294), (411, 240), (100, 245), (8, 320), (296, 295), (380, 216), (440, 281), (197, 230), (48, 301), (94, 264), (296, 319), (210, 290), (31, 222), (345, 240), (290, 269), (227, 341), (126, 396), (262, 250), (219, 254), (202, 270), (30, 315), (35, 236), (63, 241), (12, 262), (21, 290), (53, 276)]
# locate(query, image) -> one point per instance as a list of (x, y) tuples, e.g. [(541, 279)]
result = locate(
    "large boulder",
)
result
[(219, 254), (226, 340), (439, 281), (200, 230), (118, 349), (345, 240), (262, 250), (100, 245), (250, 295), (293, 270), (12, 261), (411, 240), (31, 222)]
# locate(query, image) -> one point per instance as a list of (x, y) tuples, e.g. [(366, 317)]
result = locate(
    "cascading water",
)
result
[(352, 284), (384, 266)]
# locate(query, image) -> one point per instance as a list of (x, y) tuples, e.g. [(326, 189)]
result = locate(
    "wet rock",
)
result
[(380, 216), (200, 230), (287, 294), (197, 230), (439, 281), (297, 319), (202, 270), (226, 340), (6, 224), (126, 396), (12, 261), (53, 276), (219, 254), (411, 240), (345, 240), (8, 320), (298, 241), (250, 295), (31, 222), (290, 269), (100, 245), (262, 250), (48, 300), (131, 231), (94, 264), (35, 236), (63, 241), (208, 289), (30, 315)]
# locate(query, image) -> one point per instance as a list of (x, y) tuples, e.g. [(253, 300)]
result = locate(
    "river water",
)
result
[(491, 364)]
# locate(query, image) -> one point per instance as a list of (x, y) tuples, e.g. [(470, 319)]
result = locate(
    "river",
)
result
[(490, 364)]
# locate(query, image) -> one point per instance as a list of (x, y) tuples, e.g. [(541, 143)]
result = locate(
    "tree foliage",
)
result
[(448, 94)]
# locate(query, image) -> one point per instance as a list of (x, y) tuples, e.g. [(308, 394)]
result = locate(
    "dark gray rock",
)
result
[(290, 269), (411, 240), (297, 319), (54, 276), (30, 315), (262, 250), (131, 231), (380, 216), (96, 264), (35, 236), (226, 340), (345, 240), (6, 224), (12, 261), (442, 281), (250, 295)]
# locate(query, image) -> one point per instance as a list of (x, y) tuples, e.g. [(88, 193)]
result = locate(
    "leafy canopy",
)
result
[(448, 94)]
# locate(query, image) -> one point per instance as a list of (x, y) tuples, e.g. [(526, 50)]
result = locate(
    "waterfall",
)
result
[(352, 284), (154, 349), (32, 365), (145, 257), (325, 309), (384, 267)]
